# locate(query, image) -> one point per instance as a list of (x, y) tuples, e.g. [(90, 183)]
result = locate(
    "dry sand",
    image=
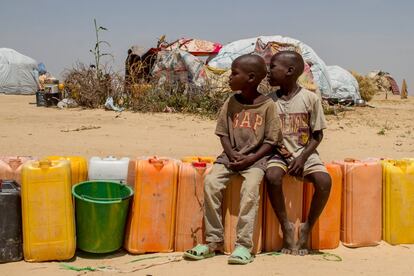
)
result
[(384, 131)]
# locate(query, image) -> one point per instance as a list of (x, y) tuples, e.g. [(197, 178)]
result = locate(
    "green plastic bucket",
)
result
[(101, 213)]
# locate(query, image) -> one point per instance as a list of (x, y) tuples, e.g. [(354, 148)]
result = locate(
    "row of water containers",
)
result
[(156, 205)]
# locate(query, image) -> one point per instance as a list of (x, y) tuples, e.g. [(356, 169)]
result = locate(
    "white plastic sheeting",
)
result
[(344, 85), (18, 73), (245, 46)]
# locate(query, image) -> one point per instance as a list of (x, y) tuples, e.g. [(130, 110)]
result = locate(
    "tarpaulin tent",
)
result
[(344, 85), (237, 48), (18, 73)]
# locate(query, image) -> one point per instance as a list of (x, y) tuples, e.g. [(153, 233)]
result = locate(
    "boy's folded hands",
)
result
[(239, 162)]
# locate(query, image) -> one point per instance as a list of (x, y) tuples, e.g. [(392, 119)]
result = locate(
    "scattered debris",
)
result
[(81, 128), (111, 269), (67, 103), (109, 104)]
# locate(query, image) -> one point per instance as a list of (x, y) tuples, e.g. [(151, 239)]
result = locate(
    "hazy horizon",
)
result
[(360, 35)]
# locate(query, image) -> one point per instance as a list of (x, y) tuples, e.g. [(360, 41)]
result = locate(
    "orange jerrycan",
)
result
[(78, 167), (231, 208), (361, 202), (293, 192), (11, 167), (151, 219), (47, 211), (398, 201), (189, 230), (326, 231)]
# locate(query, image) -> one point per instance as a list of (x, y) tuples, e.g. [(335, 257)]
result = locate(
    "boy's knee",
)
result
[(323, 182), (274, 176), (210, 184)]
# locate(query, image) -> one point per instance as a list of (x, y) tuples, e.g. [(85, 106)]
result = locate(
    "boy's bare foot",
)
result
[(289, 239), (304, 231)]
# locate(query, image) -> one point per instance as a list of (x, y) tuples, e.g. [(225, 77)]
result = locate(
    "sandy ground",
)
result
[(387, 130)]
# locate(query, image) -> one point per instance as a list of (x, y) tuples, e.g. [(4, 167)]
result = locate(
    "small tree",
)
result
[(97, 50)]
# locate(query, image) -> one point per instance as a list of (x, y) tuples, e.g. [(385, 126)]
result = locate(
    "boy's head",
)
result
[(247, 71), (285, 67)]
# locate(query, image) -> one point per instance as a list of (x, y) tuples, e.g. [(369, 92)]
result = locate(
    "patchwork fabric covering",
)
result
[(179, 66)]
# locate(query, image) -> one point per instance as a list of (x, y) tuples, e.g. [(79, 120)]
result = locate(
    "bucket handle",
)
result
[(116, 200)]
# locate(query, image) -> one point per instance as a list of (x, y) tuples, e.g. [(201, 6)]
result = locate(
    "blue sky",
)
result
[(359, 35)]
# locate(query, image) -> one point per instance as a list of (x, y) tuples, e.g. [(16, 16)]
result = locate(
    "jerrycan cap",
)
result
[(199, 164)]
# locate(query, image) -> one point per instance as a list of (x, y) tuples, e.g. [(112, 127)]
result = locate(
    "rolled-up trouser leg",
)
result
[(249, 205)]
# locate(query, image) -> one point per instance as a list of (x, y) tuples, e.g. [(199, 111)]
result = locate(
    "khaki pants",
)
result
[(214, 184)]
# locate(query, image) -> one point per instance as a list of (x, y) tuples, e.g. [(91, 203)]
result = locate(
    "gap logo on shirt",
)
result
[(246, 119)]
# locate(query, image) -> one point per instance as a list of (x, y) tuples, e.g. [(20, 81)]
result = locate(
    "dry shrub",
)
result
[(367, 86), (87, 89), (176, 97)]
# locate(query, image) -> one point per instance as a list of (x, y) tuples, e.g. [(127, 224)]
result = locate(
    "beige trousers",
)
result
[(214, 184)]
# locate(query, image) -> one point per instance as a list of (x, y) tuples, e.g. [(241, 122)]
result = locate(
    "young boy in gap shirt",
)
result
[(248, 128)]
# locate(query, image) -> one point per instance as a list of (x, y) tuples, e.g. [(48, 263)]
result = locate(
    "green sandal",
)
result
[(240, 255), (199, 252)]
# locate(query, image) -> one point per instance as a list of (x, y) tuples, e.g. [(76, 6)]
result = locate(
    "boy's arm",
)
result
[(296, 166), (317, 124), (228, 149)]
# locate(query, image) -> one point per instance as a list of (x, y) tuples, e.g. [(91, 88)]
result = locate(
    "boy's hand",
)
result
[(295, 168), (236, 156), (241, 164), (283, 151)]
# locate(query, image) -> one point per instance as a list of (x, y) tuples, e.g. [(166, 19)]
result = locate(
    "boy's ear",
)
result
[(290, 71), (252, 76)]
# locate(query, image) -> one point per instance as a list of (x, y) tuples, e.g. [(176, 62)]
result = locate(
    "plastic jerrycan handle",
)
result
[(45, 164), (351, 160), (156, 162), (109, 158), (14, 163)]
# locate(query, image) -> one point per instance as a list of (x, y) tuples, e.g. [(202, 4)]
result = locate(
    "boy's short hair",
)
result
[(293, 59), (252, 63)]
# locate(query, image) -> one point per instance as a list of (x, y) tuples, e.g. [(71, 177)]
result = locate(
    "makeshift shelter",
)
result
[(18, 73), (237, 48), (385, 82), (179, 66), (344, 85), (142, 66)]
